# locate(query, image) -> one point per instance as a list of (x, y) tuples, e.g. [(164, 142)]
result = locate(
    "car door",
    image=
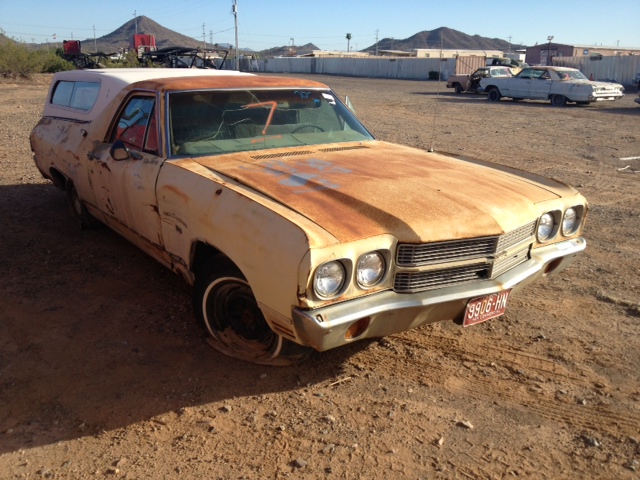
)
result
[(540, 86), (125, 189), (519, 86)]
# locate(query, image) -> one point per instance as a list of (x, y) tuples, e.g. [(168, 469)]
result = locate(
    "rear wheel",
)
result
[(224, 303), (494, 95), (79, 209), (459, 88), (558, 100)]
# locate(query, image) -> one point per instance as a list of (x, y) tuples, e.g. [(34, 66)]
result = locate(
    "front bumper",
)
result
[(389, 312)]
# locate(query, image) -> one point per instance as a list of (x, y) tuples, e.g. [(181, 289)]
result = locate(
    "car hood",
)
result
[(360, 190)]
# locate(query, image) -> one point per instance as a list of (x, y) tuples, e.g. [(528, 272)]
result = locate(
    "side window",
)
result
[(136, 125), (76, 95)]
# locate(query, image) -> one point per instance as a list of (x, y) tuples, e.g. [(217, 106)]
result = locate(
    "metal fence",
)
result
[(621, 69), (381, 67), (618, 69)]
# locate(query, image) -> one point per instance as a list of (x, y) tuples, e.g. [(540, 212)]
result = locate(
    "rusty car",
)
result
[(297, 229), (558, 85)]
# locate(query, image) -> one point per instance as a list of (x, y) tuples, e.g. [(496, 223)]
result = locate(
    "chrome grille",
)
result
[(507, 262), (418, 281), (442, 252), (516, 236), (488, 257)]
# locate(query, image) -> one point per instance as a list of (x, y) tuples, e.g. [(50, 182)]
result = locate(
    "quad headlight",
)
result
[(370, 269), (569, 221), (546, 227), (329, 278)]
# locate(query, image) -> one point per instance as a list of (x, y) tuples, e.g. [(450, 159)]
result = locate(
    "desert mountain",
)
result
[(122, 37), (445, 38)]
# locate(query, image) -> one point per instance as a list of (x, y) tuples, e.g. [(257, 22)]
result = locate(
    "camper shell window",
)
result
[(77, 95)]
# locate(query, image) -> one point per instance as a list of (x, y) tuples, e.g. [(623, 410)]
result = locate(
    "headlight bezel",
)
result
[(558, 229)]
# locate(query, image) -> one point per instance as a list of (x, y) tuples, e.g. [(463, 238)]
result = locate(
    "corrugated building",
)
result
[(544, 53)]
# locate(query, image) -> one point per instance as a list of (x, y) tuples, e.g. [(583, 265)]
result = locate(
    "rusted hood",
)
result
[(361, 190)]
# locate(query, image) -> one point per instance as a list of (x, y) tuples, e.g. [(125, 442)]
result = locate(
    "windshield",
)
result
[(217, 122), (573, 75)]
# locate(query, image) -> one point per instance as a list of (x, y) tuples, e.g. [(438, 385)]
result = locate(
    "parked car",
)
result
[(556, 84), (293, 224), (471, 82)]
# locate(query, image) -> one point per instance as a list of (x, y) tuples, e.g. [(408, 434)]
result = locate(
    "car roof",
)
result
[(113, 81)]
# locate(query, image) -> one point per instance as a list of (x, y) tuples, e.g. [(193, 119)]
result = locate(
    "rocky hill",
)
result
[(445, 38), (288, 51), (122, 37)]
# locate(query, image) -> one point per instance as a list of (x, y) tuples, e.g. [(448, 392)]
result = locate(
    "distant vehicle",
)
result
[(514, 65), (559, 85), (471, 82)]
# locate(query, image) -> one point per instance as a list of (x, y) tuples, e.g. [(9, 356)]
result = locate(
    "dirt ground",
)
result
[(105, 373)]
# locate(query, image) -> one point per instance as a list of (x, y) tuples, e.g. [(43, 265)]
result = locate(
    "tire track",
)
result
[(517, 389)]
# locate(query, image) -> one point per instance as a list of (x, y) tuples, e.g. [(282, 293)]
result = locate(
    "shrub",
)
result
[(16, 60)]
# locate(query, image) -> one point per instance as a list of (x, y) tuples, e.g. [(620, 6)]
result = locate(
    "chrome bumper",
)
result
[(389, 312)]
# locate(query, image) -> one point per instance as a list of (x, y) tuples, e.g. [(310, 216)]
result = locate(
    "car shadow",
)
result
[(96, 336)]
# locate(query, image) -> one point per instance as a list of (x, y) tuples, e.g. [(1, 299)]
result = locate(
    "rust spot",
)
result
[(178, 229), (219, 191), (177, 192), (105, 165)]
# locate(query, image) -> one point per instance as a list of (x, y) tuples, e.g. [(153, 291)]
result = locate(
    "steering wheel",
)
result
[(307, 125)]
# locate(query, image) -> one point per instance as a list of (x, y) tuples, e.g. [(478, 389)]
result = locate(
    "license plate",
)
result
[(483, 308)]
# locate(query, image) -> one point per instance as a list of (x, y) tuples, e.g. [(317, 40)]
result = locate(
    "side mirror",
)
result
[(119, 151)]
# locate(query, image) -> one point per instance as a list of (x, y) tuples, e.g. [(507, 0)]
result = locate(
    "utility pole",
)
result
[(235, 14), (204, 38), (95, 44), (377, 33), (135, 19), (549, 38)]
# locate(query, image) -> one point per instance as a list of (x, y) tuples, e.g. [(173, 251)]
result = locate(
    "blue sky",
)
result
[(264, 24)]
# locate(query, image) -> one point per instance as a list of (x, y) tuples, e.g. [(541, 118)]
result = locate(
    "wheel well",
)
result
[(201, 254), (58, 178)]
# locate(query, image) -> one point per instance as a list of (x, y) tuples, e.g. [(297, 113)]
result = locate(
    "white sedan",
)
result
[(559, 85)]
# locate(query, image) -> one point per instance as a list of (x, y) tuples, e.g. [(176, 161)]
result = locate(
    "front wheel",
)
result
[(224, 303), (494, 95), (459, 88), (558, 100)]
